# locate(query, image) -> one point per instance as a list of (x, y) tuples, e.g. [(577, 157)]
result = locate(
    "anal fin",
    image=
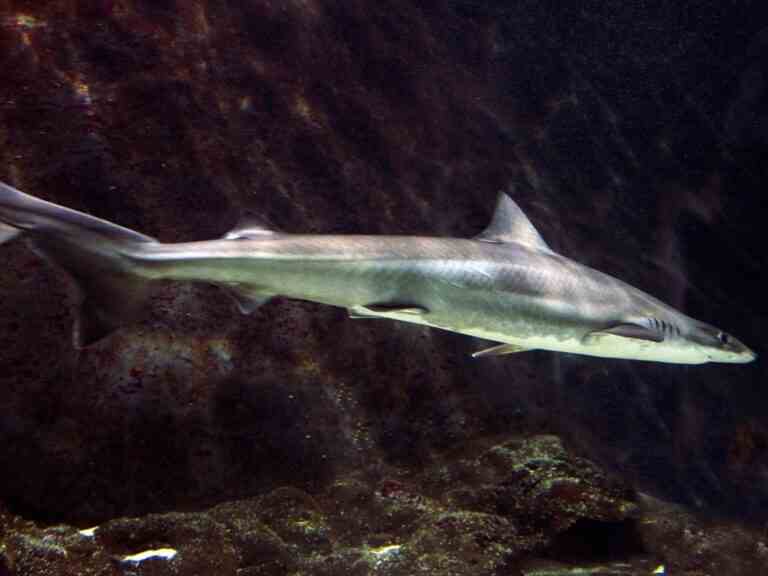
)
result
[(247, 298), (8, 233)]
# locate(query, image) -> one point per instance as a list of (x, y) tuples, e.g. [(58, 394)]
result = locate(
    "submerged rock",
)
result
[(522, 506), (537, 478)]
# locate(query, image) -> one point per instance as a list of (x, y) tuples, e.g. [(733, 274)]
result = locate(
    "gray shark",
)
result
[(505, 285)]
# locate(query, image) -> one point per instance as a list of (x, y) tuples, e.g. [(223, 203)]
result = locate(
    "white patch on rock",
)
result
[(161, 553)]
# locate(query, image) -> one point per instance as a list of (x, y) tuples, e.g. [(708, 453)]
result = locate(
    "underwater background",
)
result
[(299, 442)]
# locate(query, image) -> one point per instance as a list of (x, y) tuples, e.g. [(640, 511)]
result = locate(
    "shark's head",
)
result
[(718, 346)]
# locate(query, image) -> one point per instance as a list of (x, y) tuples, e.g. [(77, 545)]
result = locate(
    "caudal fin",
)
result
[(90, 250)]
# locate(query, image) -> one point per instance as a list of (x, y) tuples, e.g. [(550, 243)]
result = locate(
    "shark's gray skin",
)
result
[(505, 285)]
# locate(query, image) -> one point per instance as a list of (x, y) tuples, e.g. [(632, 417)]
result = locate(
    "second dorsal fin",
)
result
[(510, 224), (248, 228)]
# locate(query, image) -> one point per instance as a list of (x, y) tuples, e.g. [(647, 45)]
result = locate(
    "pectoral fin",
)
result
[(500, 350), (629, 330)]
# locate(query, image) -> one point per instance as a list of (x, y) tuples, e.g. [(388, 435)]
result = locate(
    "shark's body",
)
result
[(506, 285)]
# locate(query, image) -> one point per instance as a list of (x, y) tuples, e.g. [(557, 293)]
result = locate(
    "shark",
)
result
[(506, 285)]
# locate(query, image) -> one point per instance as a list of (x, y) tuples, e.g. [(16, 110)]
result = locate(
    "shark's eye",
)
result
[(723, 337)]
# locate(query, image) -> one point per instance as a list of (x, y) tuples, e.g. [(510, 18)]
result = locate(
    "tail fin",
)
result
[(90, 250)]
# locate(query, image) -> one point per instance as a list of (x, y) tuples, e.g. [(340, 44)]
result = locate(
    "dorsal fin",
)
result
[(510, 224), (248, 228)]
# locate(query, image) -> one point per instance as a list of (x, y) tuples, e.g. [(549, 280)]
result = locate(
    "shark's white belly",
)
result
[(604, 345)]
